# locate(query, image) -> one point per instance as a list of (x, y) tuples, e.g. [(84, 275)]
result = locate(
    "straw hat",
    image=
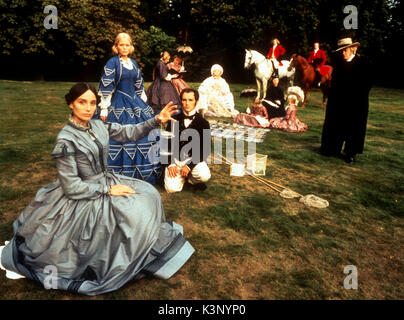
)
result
[(346, 43)]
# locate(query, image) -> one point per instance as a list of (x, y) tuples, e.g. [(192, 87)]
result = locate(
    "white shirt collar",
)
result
[(187, 122), (188, 114), (350, 59)]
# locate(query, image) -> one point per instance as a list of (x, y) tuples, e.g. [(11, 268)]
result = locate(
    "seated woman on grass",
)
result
[(95, 228), (290, 122), (257, 117), (215, 97)]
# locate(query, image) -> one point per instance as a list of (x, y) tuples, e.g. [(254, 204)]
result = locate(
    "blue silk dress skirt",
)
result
[(94, 242)]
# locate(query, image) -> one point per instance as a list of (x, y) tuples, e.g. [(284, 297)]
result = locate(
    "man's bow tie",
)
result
[(189, 117)]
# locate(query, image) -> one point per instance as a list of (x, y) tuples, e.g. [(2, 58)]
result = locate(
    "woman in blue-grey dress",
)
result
[(95, 230), (161, 90), (123, 101)]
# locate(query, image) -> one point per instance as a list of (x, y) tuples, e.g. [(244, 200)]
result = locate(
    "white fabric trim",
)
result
[(105, 102), (176, 262), (9, 274), (178, 227), (104, 113), (168, 77), (143, 96), (261, 120), (271, 103)]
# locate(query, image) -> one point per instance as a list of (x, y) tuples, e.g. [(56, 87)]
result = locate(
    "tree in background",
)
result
[(226, 29), (153, 42), (218, 31), (84, 35), (393, 37)]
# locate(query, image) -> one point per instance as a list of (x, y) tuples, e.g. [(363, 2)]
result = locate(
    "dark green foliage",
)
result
[(218, 31)]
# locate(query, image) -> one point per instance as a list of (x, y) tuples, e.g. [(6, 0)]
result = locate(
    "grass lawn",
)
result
[(250, 242)]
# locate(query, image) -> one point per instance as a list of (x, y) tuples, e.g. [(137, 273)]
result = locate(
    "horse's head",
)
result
[(293, 61), (248, 59)]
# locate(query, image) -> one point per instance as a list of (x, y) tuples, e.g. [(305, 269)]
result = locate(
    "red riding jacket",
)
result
[(320, 54), (319, 58), (279, 51)]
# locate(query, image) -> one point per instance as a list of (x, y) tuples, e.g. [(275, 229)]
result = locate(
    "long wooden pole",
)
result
[(266, 182)]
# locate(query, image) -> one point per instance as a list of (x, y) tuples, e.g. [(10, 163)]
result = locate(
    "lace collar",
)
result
[(127, 63), (78, 125)]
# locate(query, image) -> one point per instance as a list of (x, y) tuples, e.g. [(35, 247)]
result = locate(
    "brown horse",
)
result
[(309, 75)]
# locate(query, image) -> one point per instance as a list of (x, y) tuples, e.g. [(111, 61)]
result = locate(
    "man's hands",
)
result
[(184, 171), (120, 190), (172, 171), (166, 113)]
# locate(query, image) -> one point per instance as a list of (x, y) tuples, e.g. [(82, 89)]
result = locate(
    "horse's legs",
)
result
[(264, 88), (324, 88), (292, 79), (258, 88)]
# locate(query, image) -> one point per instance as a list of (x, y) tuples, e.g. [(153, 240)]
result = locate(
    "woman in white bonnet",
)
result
[(216, 98)]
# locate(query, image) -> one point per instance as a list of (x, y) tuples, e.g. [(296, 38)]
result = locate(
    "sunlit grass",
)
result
[(250, 242)]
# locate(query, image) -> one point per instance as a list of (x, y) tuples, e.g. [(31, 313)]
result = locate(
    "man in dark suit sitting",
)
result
[(189, 147)]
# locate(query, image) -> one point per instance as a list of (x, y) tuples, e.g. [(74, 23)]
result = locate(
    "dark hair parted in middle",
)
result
[(77, 90)]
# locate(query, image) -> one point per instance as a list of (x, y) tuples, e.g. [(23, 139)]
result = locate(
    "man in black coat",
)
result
[(348, 104), (274, 100), (189, 146)]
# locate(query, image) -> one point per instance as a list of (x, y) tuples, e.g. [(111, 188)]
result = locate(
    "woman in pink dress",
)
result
[(177, 68), (258, 117), (290, 122)]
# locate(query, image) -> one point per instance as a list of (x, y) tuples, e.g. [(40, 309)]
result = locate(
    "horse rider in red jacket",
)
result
[(276, 52), (318, 58)]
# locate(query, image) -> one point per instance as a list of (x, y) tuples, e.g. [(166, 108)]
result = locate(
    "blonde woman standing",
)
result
[(123, 101)]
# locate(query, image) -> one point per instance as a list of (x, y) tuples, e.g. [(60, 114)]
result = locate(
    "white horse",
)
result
[(264, 68)]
